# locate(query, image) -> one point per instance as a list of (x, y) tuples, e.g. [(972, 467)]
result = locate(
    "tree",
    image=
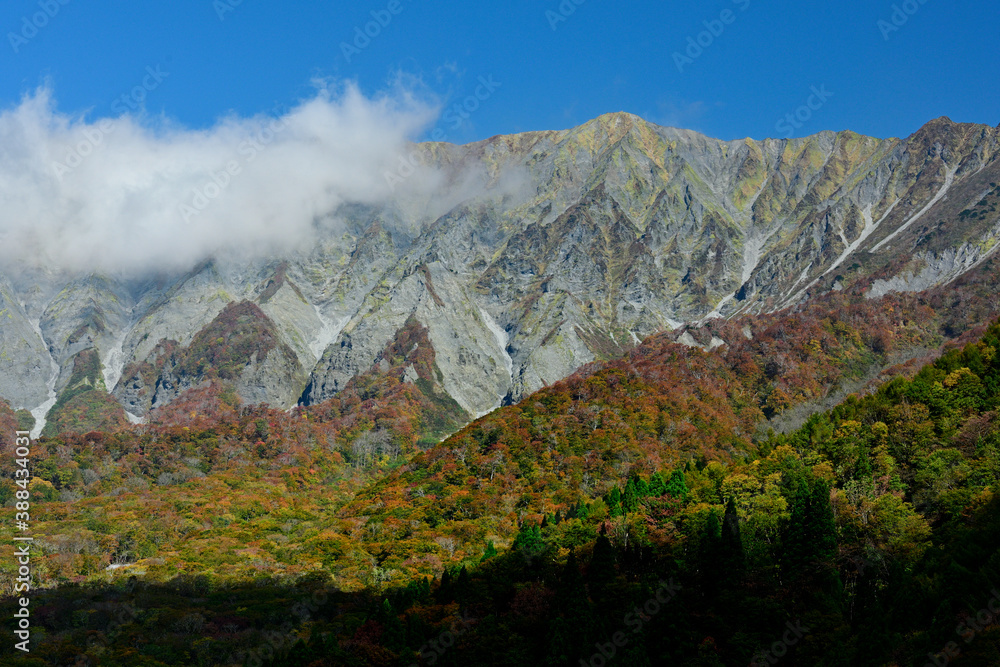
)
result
[(614, 501), (657, 485), (709, 561), (630, 499), (529, 543), (810, 541), (733, 554), (601, 573), (677, 486)]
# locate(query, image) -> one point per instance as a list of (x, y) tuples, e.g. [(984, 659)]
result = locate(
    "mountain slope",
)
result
[(577, 245)]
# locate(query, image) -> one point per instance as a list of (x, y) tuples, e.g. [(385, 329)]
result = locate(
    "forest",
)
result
[(673, 506)]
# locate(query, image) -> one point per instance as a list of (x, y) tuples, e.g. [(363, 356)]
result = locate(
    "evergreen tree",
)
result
[(709, 561), (733, 553), (491, 552), (614, 501), (657, 485), (444, 592), (630, 499), (462, 584), (529, 543), (810, 540), (661, 423), (571, 629), (562, 647), (601, 573), (416, 631), (641, 486), (571, 589), (393, 631), (677, 486), (635, 653)]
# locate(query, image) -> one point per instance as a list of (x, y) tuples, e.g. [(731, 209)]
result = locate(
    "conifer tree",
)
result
[(810, 540), (733, 554), (657, 485), (630, 499), (677, 486), (601, 573), (614, 501)]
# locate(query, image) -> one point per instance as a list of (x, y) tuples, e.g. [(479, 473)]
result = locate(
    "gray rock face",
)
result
[(24, 359), (277, 379), (577, 245)]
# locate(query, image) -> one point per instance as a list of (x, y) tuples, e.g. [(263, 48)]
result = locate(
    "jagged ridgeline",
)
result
[(580, 244)]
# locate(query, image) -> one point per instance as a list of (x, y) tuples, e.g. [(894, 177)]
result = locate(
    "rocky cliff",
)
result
[(577, 245)]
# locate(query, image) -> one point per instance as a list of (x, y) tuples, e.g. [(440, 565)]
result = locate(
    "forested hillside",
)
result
[(643, 507)]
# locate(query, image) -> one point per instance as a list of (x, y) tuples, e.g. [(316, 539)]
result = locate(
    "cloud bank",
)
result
[(122, 195)]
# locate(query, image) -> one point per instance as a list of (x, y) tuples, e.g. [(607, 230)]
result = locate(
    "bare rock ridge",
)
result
[(582, 243)]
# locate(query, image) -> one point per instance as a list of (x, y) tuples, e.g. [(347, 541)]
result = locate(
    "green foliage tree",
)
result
[(677, 485)]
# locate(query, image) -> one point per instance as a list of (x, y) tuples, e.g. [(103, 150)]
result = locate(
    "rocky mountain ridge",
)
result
[(578, 245)]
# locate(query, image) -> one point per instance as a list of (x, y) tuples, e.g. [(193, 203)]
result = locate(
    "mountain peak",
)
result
[(944, 124), (616, 123), (619, 116), (942, 121)]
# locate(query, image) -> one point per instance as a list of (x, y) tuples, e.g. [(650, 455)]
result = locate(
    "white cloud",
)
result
[(122, 194)]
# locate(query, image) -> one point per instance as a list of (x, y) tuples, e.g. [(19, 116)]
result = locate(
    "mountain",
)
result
[(539, 531), (577, 245)]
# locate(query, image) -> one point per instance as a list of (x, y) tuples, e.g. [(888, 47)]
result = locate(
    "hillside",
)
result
[(545, 523), (754, 382)]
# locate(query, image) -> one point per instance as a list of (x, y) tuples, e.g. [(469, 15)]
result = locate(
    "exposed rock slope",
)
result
[(579, 244)]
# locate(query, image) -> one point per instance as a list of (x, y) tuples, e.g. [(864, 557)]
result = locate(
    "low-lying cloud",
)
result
[(125, 194)]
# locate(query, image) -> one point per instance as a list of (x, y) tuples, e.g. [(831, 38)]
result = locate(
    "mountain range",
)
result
[(573, 246)]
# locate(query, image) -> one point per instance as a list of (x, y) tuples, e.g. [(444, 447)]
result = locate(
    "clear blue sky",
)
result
[(605, 56)]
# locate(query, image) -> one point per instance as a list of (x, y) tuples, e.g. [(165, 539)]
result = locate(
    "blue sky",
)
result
[(550, 67)]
